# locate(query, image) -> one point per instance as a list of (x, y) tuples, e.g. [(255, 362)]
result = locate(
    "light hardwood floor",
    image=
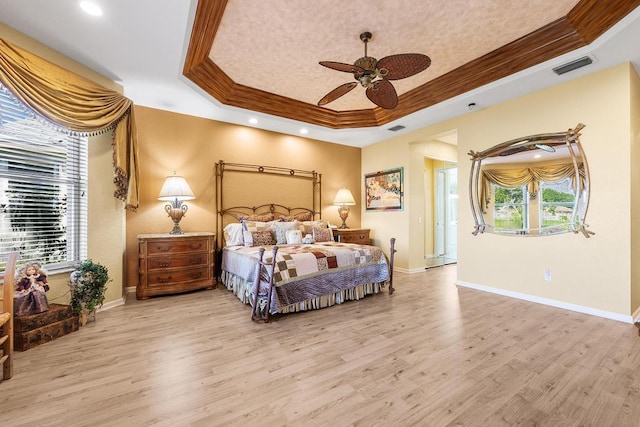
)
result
[(431, 354)]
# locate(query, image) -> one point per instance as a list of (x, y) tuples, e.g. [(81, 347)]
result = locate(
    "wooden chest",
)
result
[(35, 329), (172, 263)]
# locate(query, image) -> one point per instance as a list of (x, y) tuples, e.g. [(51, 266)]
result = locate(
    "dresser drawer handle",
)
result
[(196, 275), (163, 248), (163, 264), (195, 261), (167, 280), (194, 246)]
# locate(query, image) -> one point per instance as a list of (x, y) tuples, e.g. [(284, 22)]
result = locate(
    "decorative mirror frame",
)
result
[(547, 142)]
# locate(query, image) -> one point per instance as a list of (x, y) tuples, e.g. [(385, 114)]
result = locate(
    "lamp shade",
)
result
[(344, 198), (176, 187)]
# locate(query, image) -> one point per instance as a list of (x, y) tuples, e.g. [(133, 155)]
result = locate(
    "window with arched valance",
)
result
[(78, 105)]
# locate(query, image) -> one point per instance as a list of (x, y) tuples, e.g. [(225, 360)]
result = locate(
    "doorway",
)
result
[(442, 203)]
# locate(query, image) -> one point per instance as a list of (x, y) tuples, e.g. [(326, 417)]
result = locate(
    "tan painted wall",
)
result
[(192, 146), (587, 272), (106, 214), (635, 192), (385, 225)]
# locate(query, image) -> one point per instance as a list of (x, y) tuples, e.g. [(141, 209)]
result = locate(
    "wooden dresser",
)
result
[(352, 235), (172, 263)]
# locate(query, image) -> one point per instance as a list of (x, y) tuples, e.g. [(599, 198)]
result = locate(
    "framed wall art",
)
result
[(383, 190)]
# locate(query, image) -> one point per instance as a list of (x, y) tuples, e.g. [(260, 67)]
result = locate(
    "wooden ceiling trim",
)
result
[(592, 18), (205, 26), (585, 22)]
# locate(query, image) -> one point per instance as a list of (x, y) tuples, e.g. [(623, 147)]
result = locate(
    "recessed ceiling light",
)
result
[(304, 131), (91, 8), (253, 120)]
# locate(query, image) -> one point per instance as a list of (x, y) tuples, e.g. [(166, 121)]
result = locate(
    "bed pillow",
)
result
[(261, 238), (307, 226), (261, 217), (322, 235), (294, 237), (279, 231), (257, 225), (303, 216), (233, 234)]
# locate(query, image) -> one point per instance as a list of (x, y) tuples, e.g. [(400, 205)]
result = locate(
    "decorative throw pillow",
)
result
[(257, 225), (233, 234), (257, 217), (294, 237), (307, 226), (280, 231), (303, 216), (322, 235), (262, 238)]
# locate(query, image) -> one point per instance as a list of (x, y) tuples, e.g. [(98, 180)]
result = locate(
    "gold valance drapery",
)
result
[(530, 177), (78, 104)]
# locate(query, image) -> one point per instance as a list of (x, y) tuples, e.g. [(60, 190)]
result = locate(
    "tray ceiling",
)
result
[(264, 56)]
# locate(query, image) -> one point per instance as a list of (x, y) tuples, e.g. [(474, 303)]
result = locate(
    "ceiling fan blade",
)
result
[(337, 93), (402, 65), (383, 94), (340, 66)]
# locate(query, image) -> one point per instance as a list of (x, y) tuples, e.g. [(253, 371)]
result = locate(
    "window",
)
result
[(510, 208), (43, 188), (556, 204)]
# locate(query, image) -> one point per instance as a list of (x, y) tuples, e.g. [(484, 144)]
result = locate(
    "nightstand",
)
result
[(352, 235), (173, 263)]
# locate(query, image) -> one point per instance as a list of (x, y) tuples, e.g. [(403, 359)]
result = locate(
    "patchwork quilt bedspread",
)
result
[(308, 271)]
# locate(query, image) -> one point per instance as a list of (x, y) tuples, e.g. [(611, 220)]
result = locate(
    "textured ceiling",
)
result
[(275, 45)]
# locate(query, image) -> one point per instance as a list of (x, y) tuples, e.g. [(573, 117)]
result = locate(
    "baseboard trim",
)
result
[(549, 302), (636, 316), (111, 304), (408, 270)]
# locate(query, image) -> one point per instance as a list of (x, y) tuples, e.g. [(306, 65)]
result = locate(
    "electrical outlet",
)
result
[(547, 274)]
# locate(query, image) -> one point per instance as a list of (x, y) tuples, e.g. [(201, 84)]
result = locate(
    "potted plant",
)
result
[(88, 285)]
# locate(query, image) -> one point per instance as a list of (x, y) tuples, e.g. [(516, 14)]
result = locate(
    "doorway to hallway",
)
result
[(443, 201)]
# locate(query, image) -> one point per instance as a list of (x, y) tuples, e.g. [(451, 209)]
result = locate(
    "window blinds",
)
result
[(43, 188)]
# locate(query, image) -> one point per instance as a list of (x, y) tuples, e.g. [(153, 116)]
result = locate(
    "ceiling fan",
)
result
[(375, 75)]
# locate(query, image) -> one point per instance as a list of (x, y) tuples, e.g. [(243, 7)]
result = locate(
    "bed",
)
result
[(263, 259)]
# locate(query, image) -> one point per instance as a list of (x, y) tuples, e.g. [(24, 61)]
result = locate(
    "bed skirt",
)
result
[(242, 290)]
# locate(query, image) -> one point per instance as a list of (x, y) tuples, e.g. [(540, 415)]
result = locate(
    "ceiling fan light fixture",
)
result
[(376, 75)]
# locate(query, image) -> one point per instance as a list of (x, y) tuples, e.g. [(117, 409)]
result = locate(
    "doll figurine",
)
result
[(31, 285)]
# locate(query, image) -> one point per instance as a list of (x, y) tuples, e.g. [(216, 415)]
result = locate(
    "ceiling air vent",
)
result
[(396, 128), (573, 65)]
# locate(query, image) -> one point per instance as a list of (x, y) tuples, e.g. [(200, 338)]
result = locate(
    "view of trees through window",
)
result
[(555, 200), (43, 174), (557, 203), (510, 210)]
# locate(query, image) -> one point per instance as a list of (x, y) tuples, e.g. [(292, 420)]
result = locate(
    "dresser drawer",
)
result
[(177, 261), (361, 238), (163, 278), (177, 246)]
